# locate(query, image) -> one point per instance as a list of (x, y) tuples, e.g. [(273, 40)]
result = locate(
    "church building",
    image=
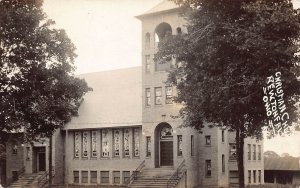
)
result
[(127, 132)]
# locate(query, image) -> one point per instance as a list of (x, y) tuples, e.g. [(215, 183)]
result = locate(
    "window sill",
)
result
[(93, 158), (105, 158)]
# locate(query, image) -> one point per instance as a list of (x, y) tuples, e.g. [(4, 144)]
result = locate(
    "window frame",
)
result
[(249, 176), (75, 178), (148, 146), (179, 145), (147, 97), (147, 63), (208, 170), (223, 163), (249, 152), (169, 97), (254, 152), (208, 140), (84, 179), (102, 177), (158, 96), (93, 178), (192, 145)]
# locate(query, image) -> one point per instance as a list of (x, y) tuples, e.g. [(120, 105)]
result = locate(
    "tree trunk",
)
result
[(240, 156), (50, 162)]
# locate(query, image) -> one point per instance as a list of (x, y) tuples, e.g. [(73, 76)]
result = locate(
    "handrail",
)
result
[(172, 182), (21, 171), (135, 173), (45, 178)]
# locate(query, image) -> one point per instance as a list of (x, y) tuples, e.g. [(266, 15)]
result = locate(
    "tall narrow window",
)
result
[(84, 176), (147, 40), (84, 144), (148, 97), (147, 63), (76, 176), (28, 153), (126, 142), (179, 145), (254, 176), (207, 140), (249, 151), (148, 146), (259, 176), (104, 177), (259, 152), (169, 94), (208, 168), (105, 143), (254, 152), (117, 146), (93, 176), (232, 152), (223, 135), (76, 144), (179, 32), (116, 176), (192, 145), (249, 176), (15, 149), (136, 140), (158, 96), (126, 176), (223, 163), (94, 143)]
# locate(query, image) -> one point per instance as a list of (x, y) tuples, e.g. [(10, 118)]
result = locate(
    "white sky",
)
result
[(108, 36)]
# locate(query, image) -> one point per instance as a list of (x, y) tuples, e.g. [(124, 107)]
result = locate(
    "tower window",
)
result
[(254, 152), (223, 163), (158, 96), (179, 32), (169, 95), (207, 140), (208, 168), (223, 135), (192, 145), (249, 151), (179, 145)]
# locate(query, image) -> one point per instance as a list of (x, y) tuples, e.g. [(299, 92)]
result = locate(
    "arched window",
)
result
[(179, 32), (161, 31), (147, 40)]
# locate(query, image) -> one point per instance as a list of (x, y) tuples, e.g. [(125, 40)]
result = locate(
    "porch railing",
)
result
[(135, 173), (177, 175), (44, 179)]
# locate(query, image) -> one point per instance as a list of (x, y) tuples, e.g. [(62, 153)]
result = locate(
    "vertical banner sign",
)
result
[(274, 103)]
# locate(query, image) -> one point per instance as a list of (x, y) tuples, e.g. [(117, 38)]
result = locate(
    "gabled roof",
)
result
[(116, 100), (164, 6), (282, 163)]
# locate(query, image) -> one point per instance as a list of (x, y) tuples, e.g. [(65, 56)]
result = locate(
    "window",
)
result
[(192, 145), (126, 176), (84, 177), (148, 146), (254, 176), (207, 140), (105, 143), (93, 176), (15, 149), (76, 176), (254, 152), (76, 144), (259, 176), (117, 135), (169, 95), (223, 135), (104, 176), (249, 151), (158, 96), (126, 142), (84, 144), (249, 176), (179, 145), (223, 163), (148, 97), (94, 143), (232, 152), (136, 140), (147, 64), (259, 152), (147, 40), (208, 168), (116, 175), (179, 32)]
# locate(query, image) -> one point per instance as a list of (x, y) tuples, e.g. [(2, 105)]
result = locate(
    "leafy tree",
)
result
[(228, 56), (38, 90)]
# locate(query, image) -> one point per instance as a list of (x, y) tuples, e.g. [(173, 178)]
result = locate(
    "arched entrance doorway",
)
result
[(164, 145)]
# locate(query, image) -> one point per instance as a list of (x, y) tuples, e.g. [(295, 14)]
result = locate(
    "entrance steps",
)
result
[(153, 178), (26, 181)]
